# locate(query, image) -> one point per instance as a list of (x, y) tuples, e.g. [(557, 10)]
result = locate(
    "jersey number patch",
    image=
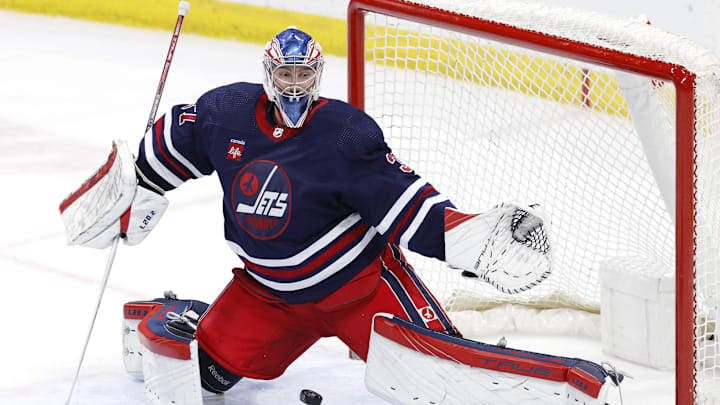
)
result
[(189, 113)]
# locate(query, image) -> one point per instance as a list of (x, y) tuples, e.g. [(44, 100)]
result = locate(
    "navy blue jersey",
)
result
[(305, 209)]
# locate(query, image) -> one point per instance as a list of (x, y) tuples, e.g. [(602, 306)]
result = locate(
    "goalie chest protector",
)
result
[(303, 208)]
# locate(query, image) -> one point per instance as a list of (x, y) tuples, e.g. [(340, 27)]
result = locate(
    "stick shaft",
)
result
[(103, 284), (166, 69)]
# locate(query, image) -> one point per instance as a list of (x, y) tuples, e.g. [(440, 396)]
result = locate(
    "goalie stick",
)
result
[(183, 8)]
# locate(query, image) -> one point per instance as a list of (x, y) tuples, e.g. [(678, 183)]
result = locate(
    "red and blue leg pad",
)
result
[(168, 326), (585, 376)]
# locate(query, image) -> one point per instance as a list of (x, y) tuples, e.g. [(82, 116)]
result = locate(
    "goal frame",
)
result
[(684, 82)]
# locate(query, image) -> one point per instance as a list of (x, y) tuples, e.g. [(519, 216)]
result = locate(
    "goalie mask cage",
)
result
[(495, 100)]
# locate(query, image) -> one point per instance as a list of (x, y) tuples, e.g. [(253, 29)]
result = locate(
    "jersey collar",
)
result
[(278, 133)]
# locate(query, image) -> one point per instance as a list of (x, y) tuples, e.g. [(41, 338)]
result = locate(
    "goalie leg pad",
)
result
[(408, 364), (159, 346)]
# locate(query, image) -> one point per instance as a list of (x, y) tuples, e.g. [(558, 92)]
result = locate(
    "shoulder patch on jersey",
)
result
[(235, 149)]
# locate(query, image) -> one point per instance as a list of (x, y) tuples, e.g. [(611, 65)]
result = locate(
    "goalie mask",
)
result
[(293, 65)]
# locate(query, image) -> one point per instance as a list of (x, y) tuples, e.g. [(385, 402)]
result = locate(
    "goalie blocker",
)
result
[(408, 364)]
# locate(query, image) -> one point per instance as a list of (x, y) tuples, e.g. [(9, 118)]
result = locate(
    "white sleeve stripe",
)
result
[(335, 267), (153, 161), (398, 206), (319, 244), (419, 218), (171, 148)]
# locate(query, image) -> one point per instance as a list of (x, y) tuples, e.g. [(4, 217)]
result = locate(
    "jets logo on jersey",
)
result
[(262, 199), (235, 149)]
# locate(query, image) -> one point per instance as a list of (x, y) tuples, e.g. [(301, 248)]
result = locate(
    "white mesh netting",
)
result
[(486, 122)]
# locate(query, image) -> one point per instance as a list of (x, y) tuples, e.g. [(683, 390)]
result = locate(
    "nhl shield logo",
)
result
[(261, 196)]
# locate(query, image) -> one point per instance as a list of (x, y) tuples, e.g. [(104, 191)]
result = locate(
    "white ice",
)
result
[(69, 88)]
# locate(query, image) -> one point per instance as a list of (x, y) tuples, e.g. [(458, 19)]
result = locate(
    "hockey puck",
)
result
[(310, 397), (468, 274)]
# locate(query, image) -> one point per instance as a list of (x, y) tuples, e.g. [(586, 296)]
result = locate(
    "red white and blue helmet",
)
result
[(293, 64)]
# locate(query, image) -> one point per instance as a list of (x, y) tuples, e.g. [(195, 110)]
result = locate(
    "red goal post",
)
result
[(611, 55)]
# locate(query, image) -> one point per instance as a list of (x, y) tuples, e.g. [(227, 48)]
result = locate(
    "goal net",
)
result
[(495, 100)]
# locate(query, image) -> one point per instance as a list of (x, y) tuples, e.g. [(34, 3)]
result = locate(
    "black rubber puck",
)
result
[(468, 274), (310, 397)]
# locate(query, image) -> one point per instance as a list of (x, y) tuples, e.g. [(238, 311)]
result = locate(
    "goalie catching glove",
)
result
[(507, 247), (111, 203)]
